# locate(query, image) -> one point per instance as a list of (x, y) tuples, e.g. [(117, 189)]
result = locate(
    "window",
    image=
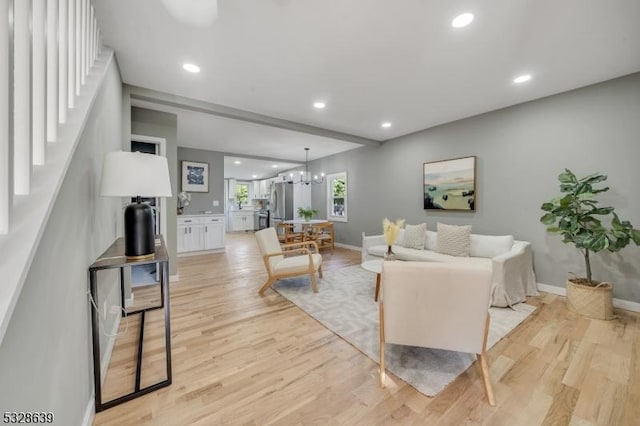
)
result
[(242, 193), (337, 197)]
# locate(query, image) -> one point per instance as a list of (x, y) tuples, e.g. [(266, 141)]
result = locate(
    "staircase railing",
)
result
[(51, 65)]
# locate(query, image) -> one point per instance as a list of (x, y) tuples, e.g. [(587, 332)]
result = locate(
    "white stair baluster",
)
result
[(52, 70), (6, 185), (22, 98), (38, 82), (63, 61)]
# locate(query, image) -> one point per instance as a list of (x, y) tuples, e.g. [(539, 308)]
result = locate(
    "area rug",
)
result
[(345, 305)]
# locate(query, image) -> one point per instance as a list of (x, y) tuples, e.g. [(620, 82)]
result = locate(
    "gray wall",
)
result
[(45, 357), (203, 201), (163, 125), (520, 152)]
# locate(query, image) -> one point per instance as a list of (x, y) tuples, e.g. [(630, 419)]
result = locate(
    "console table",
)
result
[(114, 258)]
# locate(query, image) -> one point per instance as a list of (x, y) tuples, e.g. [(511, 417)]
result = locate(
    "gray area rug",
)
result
[(345, 305)]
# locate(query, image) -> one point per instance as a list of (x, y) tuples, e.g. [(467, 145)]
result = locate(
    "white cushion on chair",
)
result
[(296, 264)]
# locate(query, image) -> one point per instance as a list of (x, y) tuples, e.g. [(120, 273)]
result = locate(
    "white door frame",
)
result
[(162, 151)]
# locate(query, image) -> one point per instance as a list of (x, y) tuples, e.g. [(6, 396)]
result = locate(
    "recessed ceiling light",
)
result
[(275, 166), (522, 78), (254, 176), (191, 67), (386, 125), (319, 105), (462, 20), (237, 162)]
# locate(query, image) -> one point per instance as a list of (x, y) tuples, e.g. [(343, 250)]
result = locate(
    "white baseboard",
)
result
[(560, 291), (617, 303), (90, 412), (347, 246), (200, 252)]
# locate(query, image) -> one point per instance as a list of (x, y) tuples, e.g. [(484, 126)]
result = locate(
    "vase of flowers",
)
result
[(391, 231)]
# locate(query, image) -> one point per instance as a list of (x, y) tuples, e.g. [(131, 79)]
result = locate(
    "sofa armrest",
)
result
[(370, 241), (513, 276)]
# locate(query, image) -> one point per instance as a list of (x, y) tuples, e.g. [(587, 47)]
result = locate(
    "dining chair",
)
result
[(323, 234), (286, 234), (436, 305)]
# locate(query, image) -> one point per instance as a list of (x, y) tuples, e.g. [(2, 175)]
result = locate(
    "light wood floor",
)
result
[(242, 359)]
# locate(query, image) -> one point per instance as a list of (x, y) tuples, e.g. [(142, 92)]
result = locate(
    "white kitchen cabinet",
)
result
[(214, 233), (242, 221), (264, 188), (200, 232), (255, 187)]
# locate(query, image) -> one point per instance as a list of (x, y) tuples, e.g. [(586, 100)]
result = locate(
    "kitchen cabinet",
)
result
[(255, 185), (261, 189), (242, 220), (200, 233)]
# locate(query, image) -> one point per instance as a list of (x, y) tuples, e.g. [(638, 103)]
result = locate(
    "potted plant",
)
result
[(577, 217), (307, 214)]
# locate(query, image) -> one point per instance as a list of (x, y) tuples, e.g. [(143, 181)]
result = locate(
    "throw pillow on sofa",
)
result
[(414, 236), (454, 240)]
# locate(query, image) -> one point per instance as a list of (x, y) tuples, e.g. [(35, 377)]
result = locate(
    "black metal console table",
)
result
[(114, 258)]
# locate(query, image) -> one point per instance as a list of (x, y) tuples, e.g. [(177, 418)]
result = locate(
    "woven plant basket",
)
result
[(592, 302)]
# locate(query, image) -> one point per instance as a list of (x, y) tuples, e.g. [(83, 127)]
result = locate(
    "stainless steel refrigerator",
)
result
[(281, 205)]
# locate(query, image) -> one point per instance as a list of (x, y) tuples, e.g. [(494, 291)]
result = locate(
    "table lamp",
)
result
[(134, 174)]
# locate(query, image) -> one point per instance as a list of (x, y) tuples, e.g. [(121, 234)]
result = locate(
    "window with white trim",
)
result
[(337, 197)]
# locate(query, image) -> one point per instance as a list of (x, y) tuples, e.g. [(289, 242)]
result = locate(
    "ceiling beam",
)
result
[(149, 95)]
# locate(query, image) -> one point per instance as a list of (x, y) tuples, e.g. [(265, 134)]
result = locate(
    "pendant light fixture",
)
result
[(305, 177)]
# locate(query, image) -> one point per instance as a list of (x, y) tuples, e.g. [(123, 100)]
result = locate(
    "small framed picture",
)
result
[(195, 176)]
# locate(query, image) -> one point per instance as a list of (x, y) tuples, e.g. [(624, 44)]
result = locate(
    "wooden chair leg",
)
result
[(314, 283), (377, 287), (381, 325), (266, 285), (482, 360)]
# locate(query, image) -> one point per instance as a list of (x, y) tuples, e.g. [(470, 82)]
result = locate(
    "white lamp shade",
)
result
[(131, 174)]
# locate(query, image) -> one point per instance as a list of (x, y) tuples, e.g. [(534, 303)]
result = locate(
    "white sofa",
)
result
[(511, 261)]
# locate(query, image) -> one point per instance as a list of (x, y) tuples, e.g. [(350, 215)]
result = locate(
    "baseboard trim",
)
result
[(200, 252), (347, 246), (90, 412), (617, 303)]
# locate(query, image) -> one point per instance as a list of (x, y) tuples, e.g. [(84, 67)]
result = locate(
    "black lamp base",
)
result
[(139, 237)]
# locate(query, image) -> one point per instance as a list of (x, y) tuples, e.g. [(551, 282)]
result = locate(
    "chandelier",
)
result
[(305, 177)]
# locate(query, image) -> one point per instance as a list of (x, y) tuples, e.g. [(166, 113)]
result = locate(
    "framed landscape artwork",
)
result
[(450, 184), (195, 177)]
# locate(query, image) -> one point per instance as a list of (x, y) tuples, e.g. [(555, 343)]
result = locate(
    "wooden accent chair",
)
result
[(322, 233), (280, 263), (436, 305)]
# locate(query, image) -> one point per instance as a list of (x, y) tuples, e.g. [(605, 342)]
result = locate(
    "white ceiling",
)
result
[(369, 60), (250, 167)]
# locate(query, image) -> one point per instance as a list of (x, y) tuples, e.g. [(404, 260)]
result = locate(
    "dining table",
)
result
[(304, 224)]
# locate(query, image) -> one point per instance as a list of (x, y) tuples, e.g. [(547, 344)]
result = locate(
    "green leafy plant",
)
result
[(578, 218), (307, 214)]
